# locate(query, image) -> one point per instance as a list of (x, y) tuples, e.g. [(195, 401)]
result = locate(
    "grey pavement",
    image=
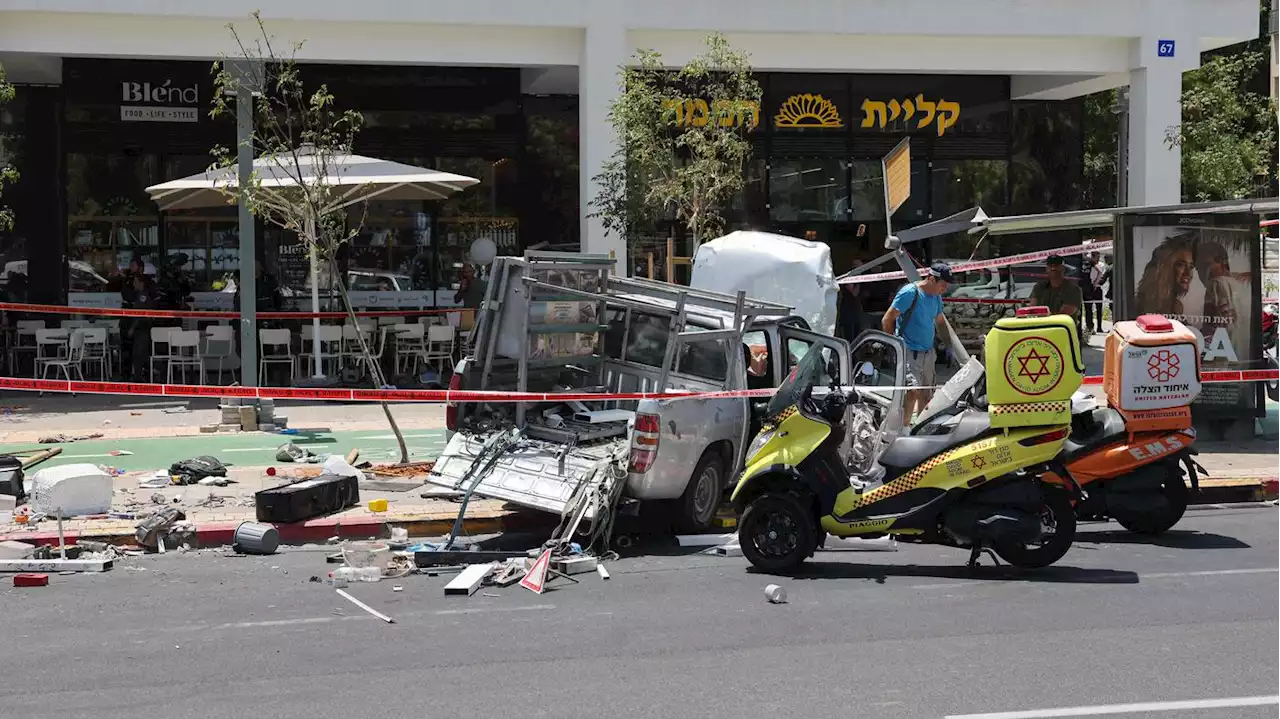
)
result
[(907, 633)]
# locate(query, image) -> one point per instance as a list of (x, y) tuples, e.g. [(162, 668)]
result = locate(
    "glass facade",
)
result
[(115, 127)]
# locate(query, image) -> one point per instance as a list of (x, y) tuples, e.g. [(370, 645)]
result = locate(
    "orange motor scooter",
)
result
[(1129, 456)]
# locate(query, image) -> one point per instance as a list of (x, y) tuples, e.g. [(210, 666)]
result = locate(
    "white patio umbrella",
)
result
[(356, 178)]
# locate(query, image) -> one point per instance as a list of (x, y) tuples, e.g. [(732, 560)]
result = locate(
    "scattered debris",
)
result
[(377, 505), (775, 594), (191, 471), (576, 565), (704, 540), (10, 549), (306, 499), (254, 538), (535, 580), (30, 580), (67, 438), (604, 573), (466, 583), (366, 607), (150, 532), (397, 588), (489, 594), (76, 489), (290, 452), (412, 469)]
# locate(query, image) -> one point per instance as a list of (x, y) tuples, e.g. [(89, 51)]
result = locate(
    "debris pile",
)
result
[(247, 415)]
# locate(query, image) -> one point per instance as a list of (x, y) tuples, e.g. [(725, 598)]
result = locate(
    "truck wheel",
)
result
[(701, 498), (777, 532), (1176, 497)]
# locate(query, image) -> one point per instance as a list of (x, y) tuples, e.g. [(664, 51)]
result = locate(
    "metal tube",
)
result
[(248, 279)]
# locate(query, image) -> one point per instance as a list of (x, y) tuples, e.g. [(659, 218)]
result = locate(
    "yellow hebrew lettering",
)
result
[(673, 111), (929, 109), (895, 109), (948, 114), (701, 113), (873, 113), (908, 109)]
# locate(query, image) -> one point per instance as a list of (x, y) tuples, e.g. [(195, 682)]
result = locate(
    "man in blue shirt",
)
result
[(914, 315)]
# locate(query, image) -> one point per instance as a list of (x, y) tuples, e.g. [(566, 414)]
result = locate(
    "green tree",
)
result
[(8, 173), (682, 141), (298, 133)]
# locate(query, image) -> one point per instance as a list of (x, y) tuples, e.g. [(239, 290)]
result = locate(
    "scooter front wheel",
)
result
[(1058, 523), (777, 532)]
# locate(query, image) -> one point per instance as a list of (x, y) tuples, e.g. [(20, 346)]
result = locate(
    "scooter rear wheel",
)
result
[(777, 532), (1059, 516), (1177, 496)]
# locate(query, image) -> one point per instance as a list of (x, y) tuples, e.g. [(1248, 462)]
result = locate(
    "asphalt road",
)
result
[(907, 633)]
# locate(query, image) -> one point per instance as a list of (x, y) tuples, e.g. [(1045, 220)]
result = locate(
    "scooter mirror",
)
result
[(867, 372)]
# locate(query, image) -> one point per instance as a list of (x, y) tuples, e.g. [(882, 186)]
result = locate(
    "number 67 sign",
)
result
[(1166, 48)]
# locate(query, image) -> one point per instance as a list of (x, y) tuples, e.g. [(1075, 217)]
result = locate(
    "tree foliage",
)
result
[(8, 173), (682, 141), (298, 134), (1228, 128)]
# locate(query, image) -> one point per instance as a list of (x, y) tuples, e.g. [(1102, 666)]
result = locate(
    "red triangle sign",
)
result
[(535, 580)]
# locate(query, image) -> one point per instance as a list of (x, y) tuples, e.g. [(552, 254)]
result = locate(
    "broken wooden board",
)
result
[(466, 583)]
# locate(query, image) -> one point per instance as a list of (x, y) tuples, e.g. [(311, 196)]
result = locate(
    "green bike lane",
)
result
[(245, 450)]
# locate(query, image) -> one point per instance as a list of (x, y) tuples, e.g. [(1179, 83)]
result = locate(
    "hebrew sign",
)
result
[(941, 113), (700, 113)]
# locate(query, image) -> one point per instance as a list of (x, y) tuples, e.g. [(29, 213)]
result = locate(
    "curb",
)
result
[(1230, 491)]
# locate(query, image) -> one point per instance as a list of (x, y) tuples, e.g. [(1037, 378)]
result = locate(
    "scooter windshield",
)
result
[(810, 371)]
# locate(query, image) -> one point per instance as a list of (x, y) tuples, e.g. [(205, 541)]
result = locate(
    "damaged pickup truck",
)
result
[(560, 323)]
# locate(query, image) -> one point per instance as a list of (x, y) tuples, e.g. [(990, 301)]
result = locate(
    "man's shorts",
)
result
[(921, 367)]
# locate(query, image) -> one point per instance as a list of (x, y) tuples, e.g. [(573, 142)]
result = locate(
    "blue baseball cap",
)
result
[(941, 270)]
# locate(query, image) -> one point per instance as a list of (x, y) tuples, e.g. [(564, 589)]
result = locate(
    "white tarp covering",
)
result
[(773, 268)]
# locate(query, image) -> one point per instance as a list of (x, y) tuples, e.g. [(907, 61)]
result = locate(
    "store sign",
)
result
[(147, 102), (807, 111), (942, 114), (700, 113)]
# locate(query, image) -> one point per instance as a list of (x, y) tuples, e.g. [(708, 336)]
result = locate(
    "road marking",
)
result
[(1125, 708), (1209, 573), (353, 617)]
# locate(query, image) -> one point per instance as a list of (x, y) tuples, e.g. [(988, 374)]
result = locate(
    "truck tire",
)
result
[(697, 506)]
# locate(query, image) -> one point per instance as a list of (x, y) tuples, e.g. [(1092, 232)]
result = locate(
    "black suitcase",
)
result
[(11, 477), (309, 498)]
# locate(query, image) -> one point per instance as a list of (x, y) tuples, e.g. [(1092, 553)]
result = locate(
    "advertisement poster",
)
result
[(1205, 272)]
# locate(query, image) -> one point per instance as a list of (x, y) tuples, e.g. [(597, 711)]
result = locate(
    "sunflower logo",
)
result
[(808, 110)]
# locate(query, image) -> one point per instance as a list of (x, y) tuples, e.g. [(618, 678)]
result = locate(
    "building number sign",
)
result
[(1166, 48)]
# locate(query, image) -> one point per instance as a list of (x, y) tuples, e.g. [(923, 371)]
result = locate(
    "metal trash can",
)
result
[(256, 538)]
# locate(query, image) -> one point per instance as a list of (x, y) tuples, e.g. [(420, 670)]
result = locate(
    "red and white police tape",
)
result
[(1037, 256), (444, 395), (209, 314)]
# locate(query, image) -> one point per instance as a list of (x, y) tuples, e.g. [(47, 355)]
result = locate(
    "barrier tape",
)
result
[(209, 314), (1039, 255), (451, 396)]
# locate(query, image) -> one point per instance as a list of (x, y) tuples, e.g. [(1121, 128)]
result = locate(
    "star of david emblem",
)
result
[(978, 462), (1028, 367)]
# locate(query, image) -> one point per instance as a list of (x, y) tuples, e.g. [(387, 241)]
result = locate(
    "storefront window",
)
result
[(111, 220), (550, 173), (14, 277), (807, 190), (867, 196), (961, 184)]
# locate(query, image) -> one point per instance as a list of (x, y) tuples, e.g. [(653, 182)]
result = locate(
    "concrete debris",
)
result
[(775, 594), (67, 438), (71, 490), (10, 549), (575, 565)]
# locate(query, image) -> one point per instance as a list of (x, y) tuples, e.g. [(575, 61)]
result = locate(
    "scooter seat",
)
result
[(908, 451), (1091, 430)]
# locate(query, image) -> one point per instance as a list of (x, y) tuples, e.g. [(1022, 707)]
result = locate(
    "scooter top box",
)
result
[(1152, 363), (1034, 365)]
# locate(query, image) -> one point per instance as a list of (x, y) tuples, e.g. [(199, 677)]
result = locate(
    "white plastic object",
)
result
[(771, 268), (75, 489), (339, 466), (775, 594)]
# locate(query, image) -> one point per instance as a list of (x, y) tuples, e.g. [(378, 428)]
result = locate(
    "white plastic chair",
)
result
[(70, 360), (440, 339), (113, 341), (184, 353), (51, 346), (24, 341), (351, 342), (220, 350), (411, 344), (75, 324), (95, 349), (275, 347), (159, 338)]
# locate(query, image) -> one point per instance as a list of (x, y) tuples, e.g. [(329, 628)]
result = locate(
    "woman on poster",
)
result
[(1226, 297), (1167, 278)]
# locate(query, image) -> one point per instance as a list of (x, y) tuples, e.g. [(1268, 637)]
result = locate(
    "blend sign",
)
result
[(1159, 377), (166, 102)]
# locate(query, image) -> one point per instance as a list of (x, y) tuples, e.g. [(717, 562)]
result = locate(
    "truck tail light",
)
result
[(645, 437)]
